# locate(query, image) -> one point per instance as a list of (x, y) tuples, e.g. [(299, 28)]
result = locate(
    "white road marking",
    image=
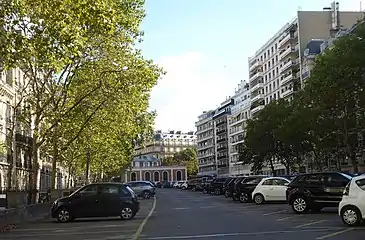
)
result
[(205, 207), (272, 213), (235, 234), (181, 208), (283, 219), (309, 224), (13, 236), (136, 236), (335, 233)]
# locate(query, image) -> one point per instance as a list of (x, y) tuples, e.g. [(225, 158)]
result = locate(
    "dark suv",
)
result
[(216, 186), (245, 188), (314, 191), (97, 200)]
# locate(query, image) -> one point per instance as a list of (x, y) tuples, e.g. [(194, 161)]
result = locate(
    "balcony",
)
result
[(257, 109), (256, 86), (286, 78), (287, 92), (255, 76), (289, 64), (255, 65), (257, 97), (305, 75), (284, 40)]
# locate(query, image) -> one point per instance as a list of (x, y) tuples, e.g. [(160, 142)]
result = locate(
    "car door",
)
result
[(266, 189), (86, 203), (279, 189), (110, 199)]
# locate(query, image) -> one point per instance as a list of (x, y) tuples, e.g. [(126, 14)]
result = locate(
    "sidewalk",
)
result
[(11, 218)]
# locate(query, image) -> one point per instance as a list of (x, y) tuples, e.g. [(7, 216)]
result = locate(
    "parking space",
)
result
[(196, 215), (85, 229)]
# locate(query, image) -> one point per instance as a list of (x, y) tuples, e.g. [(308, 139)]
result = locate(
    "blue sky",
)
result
[(204, 46)]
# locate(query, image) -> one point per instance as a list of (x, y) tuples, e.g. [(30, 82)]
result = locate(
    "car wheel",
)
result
[(226, 193), (300, 205), (243, 198), (183, 188), (127, 213), (205, 190), (217, 191), (258, 198), (146, 194), (193, 189), (351, 216), (64, 215)]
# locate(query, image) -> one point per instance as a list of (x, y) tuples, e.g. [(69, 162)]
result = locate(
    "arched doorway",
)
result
[(178, 175), (165, 176), (147, 176), (156, 176), (133, 176)]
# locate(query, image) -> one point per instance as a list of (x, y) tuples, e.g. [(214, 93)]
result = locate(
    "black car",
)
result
[(314, 191), (228, 186), (245, 188), (217, 186), (97, 200)]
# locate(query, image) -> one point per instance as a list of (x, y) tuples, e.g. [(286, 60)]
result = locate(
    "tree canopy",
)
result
[(322, 127), (187, 157), (87, 85)]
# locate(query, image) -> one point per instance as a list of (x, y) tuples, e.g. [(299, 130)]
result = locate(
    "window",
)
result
[(280, 182), (268, 182), (311, 180), (109, 189), (335, 180), (361, 184), (89, 190), (253, 181)]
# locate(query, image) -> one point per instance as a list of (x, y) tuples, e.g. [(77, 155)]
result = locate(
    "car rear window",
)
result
[(361, 184)]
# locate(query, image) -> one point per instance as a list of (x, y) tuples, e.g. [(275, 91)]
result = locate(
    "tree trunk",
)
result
[(54, 158), (272, 166), (34, 174), (87, 171)]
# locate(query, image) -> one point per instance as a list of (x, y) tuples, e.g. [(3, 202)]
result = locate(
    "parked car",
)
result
[(178, 184), (228, 186), (206, 185), (216, 186), (184, 185), (246, 187), (352, 206), (270, 189), (97, 200), (144, 189), (314, 191)]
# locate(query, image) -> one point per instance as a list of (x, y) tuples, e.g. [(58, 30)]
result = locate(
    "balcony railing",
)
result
[(257, 109), (257, 97), (256, 75), (256, 86), (255, 65), (287, 78)]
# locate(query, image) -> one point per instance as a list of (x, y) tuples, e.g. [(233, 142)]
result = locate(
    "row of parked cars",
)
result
[(305, 193)]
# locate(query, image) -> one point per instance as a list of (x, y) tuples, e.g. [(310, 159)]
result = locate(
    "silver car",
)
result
[(143, 189)]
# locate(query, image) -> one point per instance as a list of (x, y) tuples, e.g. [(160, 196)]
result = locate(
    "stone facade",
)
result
[(157, 174)]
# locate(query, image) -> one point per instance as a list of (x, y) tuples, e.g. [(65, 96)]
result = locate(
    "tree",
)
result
[(336, 86), (79, 58), (187, 157)]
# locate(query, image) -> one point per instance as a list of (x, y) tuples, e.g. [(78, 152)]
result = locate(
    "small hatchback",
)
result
[(97, 200), (352, 206)]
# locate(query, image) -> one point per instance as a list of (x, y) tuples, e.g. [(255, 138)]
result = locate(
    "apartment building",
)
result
[(12, 84), (275, 69), (206, 143), (220, 119), (240, 112), (166, 144)]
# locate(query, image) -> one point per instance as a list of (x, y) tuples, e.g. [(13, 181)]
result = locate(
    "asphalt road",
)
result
[(82, 229), (194, 215)]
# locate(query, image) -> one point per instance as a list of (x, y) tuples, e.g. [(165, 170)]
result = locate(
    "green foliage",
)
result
[(324, 122), (187, 157), (88, 87)]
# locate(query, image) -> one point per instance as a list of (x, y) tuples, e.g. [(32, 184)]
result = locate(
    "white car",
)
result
[(184, 185), (270, 189), (178, 184), (352, 206)]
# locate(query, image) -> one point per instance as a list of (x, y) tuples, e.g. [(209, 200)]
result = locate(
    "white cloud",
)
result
[(193, 83)]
